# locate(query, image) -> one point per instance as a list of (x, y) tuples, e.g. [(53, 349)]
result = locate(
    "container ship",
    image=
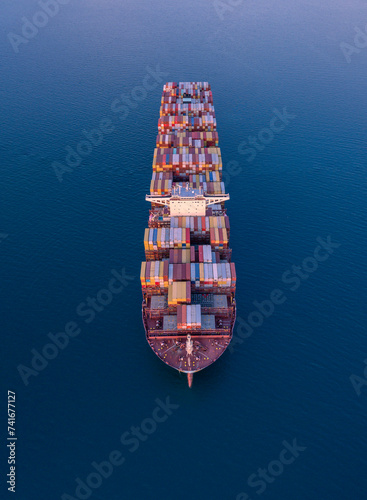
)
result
[(188, 279)]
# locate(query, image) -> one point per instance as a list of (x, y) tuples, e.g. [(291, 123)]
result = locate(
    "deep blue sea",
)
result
[(282, 416)]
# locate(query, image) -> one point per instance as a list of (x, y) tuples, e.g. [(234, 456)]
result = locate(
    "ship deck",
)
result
[(171, 346), (206, 350)]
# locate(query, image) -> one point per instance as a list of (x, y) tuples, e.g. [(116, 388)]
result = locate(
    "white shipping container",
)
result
[(224, 274), (171, 237), (215, 273), (220, 275), (228, 269), (198, 315), (204, 253), (210, 257), (188, 316)]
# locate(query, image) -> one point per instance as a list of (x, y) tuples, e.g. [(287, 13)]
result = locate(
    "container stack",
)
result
[(179, 292), (168, 124), (161, 183), (188, 140), (178, 272), (180, 256), (218, 238), (187, 109), (154, 274), (198, 91), (172, 160), (189, 317), (212, 275), (156, 239), (188, 258), (203, 225)]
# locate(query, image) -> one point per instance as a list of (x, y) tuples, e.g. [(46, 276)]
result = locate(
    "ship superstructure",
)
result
[(188, 279)]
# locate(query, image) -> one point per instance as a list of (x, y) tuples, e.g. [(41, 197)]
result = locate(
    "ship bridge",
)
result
[(186, 201)]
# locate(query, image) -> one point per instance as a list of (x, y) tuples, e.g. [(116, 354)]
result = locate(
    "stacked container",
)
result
[(179, 292), (205, 122), (186, 255), (187, 139), (189, 317), (154, 274), (188, 109)]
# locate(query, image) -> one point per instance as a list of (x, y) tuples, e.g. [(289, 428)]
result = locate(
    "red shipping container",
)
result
[(147, 274), (188, 271), (188, 292), (192, 254), (212, 236), (165, 270), (233, 272), (184, 314), (201, 253)]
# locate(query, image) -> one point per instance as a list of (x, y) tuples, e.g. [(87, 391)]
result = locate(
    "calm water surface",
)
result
[(290, 379)]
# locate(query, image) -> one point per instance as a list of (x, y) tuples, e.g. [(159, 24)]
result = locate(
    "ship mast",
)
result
[(189, 350)]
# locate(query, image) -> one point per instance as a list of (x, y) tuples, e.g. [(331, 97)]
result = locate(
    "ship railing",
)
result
[(222, 290), (158, 253), (168, 334), (159, 313), (155, 223)]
